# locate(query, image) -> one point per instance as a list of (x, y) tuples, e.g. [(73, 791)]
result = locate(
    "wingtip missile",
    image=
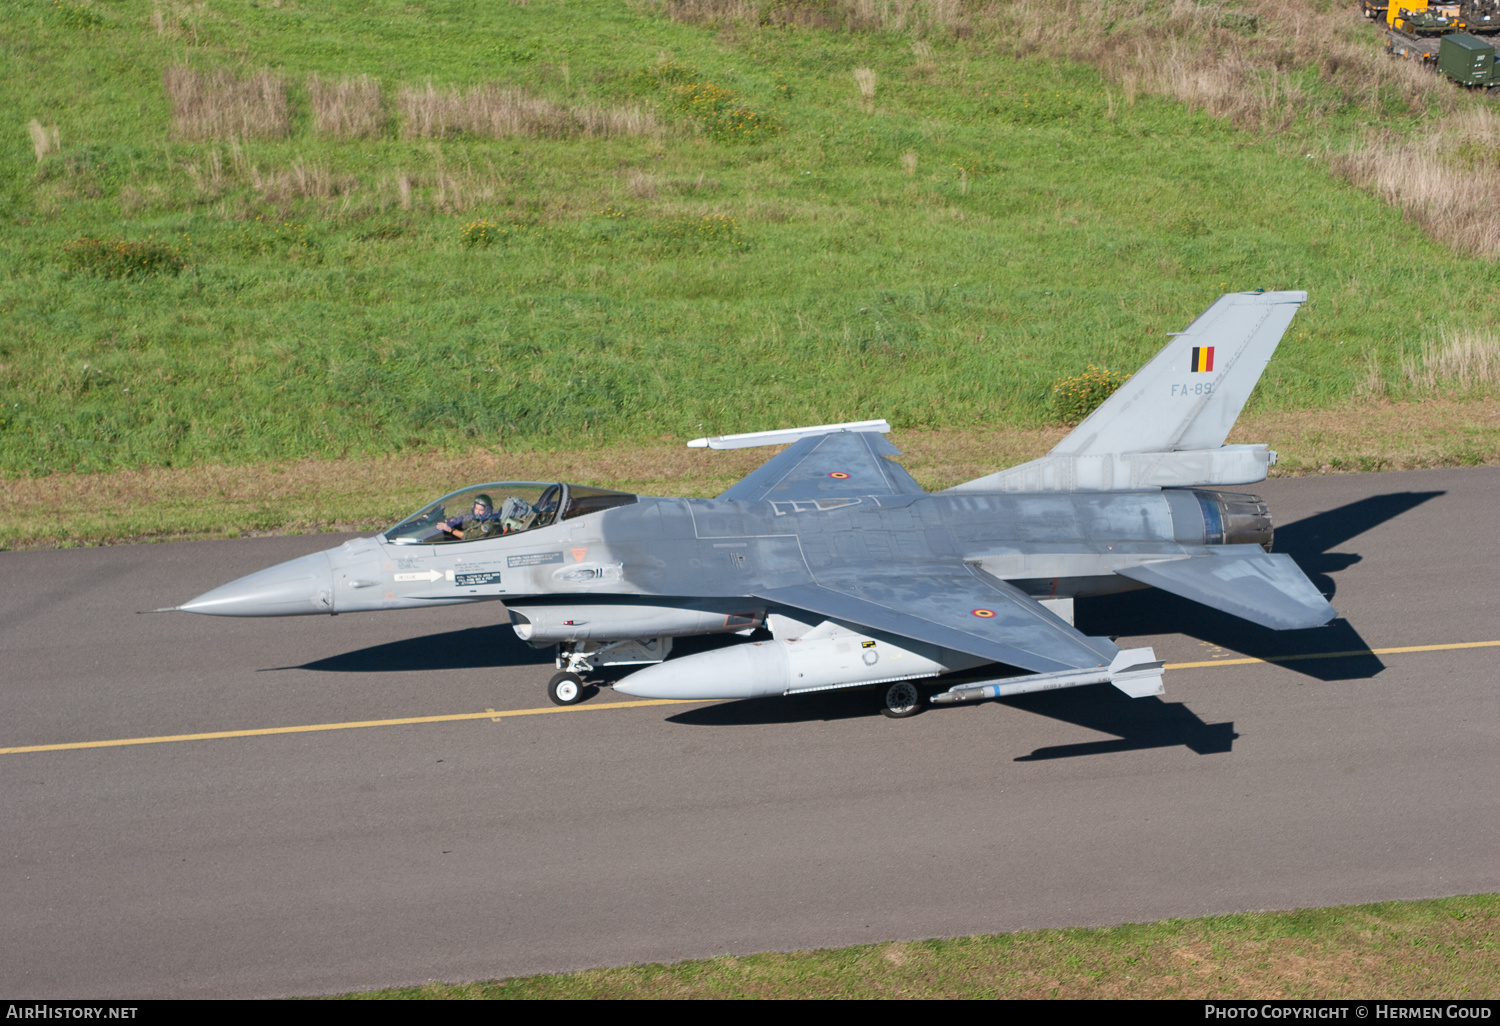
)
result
[(785, 436)]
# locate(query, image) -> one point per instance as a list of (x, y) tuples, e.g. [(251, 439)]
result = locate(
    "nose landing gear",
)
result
[(565, 689)]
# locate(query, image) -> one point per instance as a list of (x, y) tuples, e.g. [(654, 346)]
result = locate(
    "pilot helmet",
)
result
[(484, 500)]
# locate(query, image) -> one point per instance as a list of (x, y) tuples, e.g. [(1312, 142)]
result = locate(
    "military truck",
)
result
[(1480, 16), (1415, 26), (1469, 61)]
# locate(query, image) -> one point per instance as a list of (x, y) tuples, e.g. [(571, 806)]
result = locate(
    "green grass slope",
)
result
[(938, 255)]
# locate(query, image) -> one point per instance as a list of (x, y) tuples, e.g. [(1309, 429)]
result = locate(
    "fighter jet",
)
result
[(841, 571)]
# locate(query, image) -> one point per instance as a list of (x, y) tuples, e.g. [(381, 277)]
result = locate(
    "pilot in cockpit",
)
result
[(516, 514), (482, 521)]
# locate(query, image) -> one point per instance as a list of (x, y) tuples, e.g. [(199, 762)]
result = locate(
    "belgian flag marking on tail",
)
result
[(1203, 359)]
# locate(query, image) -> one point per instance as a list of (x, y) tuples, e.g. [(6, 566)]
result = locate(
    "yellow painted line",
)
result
[(1334, 655), (309, 728), (491, 714)]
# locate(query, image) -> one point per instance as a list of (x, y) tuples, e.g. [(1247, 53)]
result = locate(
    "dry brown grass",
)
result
[(864, 78), (456, 181), (1444, 180), (925, 65), (641, 184), (491, 111), (710, 12), (1210, 57), (219, 105), (372, 493), (349, 107), (43, 140), (956, 17), (303, 180), (209, 176), (1460, 361)]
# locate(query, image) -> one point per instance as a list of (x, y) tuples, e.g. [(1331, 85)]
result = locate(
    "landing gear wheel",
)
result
[(900, 700), (565, 689)]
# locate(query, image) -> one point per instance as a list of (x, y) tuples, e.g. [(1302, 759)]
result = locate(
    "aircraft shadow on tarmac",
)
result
[(1145, 613), (1137, 723), (472, 648)]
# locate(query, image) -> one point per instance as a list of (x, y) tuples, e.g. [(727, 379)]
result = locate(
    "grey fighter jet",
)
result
[(842, 572)]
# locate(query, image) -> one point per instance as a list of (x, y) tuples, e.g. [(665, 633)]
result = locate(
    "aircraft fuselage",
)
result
[(1050, 546)]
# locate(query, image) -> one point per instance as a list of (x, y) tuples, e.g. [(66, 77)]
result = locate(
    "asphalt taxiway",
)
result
[(331, 804)]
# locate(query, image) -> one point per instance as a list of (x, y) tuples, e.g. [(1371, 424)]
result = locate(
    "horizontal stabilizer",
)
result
[(785, 436), (1135, 671), (1244, 581)]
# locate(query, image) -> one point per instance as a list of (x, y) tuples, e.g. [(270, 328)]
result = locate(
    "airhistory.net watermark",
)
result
[(70, 1011)]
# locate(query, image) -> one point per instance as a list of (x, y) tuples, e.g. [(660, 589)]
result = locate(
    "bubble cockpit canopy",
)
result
[(501, 508)]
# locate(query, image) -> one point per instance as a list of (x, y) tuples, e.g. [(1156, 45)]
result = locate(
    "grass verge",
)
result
[(371, 493), (615, 224), (1443, 948)]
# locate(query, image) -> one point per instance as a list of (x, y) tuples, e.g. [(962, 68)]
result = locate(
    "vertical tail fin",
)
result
[(1191, 393), (1167, 424)]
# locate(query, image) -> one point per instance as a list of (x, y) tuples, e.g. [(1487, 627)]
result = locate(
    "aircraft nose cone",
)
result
[(297, 587)]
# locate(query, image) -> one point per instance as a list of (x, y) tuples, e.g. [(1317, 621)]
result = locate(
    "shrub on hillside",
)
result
[(76, 15), (1074, 398), (480, 234), (666, 72), (119, 258), (720, 113), (692, 233)]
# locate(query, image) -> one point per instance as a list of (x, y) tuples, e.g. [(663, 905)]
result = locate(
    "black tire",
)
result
[(901, 699), (565, 689)]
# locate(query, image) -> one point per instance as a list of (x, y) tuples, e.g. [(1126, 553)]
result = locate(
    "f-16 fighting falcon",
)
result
[(840, 571)]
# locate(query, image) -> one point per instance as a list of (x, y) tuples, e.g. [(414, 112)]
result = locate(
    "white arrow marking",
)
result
[(425, 575)]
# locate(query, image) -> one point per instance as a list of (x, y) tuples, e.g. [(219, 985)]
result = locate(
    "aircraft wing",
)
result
[(959, 608), (837, 465), (1245, 581)]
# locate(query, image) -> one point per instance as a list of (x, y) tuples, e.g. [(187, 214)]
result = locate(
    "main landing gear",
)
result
[(900, 699)]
